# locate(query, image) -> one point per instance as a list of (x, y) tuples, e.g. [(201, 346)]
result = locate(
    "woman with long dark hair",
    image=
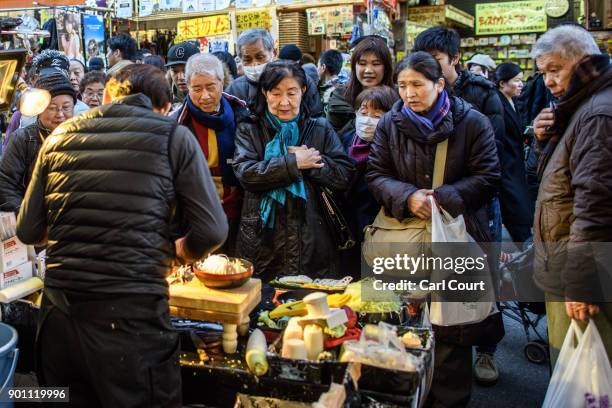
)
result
[(371, 65), (282, 156), (400, 176)]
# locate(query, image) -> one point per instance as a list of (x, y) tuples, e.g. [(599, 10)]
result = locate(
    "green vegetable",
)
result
[(335, 332), (376, 301), (264, 317)]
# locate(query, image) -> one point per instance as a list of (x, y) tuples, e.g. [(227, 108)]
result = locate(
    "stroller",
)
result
[(520, 270)]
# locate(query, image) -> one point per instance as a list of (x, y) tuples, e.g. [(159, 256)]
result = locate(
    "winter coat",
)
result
[(573, 206), (104, 192), (17, 164), (482, 95), (299, 242), (340, 111), (402, 160), (360, 207), (246, 90), (514, 198)]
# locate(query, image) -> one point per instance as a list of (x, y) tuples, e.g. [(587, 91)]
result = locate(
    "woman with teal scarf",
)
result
[(282, 155)]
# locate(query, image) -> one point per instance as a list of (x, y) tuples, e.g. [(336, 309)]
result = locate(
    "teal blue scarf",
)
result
[(287, 134)]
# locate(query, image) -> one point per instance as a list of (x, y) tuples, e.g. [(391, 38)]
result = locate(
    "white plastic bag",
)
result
[(445, 228), (582, 376)]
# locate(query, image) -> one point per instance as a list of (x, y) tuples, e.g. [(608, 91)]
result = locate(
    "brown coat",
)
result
[(574, 200)]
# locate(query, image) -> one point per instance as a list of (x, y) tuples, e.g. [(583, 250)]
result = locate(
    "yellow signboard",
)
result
[(202, 27), (510, 17), (253, 19), (428, 15)]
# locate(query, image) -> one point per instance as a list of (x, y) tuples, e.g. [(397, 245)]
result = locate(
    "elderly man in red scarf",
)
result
[(212, 116)]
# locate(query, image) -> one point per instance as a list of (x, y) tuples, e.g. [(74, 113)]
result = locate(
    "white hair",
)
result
[(570, 41), (204, 64)]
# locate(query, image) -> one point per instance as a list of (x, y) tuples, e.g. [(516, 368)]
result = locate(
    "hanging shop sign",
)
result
[(93, 33), (330, 20), (427, 15), (202, 27), (253, 19), (433, 15), (124, 8), (527, 16), (459, 16)]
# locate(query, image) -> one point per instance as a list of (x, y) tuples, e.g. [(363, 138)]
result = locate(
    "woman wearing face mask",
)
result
[(282, 155), (517, 210), (371, 65), (360, 207), (399, 175)]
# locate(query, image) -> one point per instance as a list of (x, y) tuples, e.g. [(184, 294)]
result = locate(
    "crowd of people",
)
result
[(130, 169)]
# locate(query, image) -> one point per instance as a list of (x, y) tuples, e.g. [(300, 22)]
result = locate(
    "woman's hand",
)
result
[(307, 158), (419, 205), (581, 311)]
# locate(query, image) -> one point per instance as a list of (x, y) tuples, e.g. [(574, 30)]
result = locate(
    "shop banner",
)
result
[(330, 20), (427, 15), (145, 8), (254, 19), (69, 34), (93, 33), (527, 16), (124, 8), (202, 27)]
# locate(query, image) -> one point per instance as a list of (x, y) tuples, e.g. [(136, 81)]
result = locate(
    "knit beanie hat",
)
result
[(57, 84), (506, 72), (290, 52)]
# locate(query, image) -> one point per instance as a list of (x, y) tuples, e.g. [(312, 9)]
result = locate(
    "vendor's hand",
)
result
[(542, 122), (418, 204), (308, 159), (581, 310), (181, 252)]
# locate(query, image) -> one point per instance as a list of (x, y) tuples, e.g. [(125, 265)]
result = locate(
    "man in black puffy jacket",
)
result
[(103, 194), (443, 43)]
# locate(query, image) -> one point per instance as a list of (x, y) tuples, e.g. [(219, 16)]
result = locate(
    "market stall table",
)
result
[(231, 307)]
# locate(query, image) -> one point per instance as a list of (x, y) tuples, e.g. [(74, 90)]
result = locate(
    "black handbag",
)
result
[(336, 223)]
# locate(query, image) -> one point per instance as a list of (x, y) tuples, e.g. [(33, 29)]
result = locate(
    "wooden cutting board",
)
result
[(194, 295)]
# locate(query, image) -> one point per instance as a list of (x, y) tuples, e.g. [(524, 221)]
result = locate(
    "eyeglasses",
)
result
[(64, 109), (91, 95)]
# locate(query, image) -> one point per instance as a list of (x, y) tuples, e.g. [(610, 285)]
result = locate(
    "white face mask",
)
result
[(365, 127), (253, 72)]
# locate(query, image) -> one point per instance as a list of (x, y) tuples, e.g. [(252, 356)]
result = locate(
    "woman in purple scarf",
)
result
[(400, 177)]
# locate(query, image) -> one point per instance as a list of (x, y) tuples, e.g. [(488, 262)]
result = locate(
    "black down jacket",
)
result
[(17, 165), (104, 191), (482, 95), (299, 242), (246, 90), (402, 159)]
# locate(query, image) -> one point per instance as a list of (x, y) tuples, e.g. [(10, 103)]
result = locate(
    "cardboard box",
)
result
[(12, 254), (14, 275)]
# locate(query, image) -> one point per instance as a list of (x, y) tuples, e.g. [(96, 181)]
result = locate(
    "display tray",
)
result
[(316, 372)]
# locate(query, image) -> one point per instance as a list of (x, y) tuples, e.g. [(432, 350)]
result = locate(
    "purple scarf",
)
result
[(359, 150), (427, 123)]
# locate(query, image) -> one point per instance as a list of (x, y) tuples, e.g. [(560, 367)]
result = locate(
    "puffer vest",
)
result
[(110, 199)]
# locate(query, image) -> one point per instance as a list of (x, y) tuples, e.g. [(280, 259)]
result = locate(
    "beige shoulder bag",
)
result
[(385, 231)]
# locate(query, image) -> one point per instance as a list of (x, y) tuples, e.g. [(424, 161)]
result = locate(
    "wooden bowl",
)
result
[(218, 281)]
